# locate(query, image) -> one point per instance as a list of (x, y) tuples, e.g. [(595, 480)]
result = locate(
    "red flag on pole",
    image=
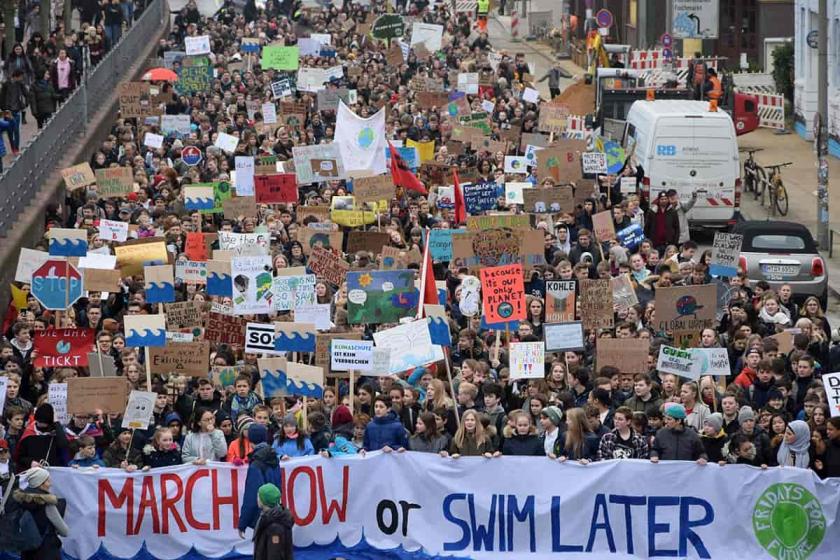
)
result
[(460, 207), (402, 175), (428, 289)]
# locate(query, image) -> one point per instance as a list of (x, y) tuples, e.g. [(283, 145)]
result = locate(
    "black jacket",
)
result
[(43, 98), (273, 535), (530, 445), (39, 447), (830, 460), (677, 445)]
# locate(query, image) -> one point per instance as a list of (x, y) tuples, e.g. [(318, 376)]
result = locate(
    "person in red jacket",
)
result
[(750, 371)]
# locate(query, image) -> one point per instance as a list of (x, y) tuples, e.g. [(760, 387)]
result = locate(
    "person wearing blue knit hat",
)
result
[(673, 442)]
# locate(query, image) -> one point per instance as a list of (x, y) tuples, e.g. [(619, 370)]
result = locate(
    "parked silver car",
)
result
[(783, 253)]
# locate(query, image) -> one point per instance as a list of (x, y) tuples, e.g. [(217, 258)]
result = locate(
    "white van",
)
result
[(682, 145)]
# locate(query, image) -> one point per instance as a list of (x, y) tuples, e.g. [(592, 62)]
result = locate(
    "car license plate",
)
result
[(780, 269)]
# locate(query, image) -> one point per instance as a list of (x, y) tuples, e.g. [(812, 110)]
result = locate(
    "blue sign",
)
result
[(510, 325), (631, 236), (480, 197), (408, 154), (440, 243), (55, 286), (191, 155)]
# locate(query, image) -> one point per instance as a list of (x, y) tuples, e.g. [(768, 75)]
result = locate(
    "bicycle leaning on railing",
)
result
[(774, 186)]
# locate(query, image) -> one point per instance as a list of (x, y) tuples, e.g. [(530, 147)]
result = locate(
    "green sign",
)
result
[(388, 26), (278, 57), (788, 521), (195, 76), (221, 192)]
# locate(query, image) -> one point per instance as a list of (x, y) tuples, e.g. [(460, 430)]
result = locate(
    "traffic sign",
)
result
[(667, 40), (813, 39), (667, 53), (191, 155), (56, 286), (604, 18)]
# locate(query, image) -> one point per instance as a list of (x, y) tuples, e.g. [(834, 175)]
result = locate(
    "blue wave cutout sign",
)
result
[(219, 285), (146, 337), (294, 342), (277, 383), (68, 247), (162, 292)]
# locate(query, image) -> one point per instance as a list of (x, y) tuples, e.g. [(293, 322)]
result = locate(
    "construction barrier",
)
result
[(514, 26), (771, 105)]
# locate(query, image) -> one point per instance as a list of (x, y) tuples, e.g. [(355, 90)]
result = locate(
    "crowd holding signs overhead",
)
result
[(324, 255)]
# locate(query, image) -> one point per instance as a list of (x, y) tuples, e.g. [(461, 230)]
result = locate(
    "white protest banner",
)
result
[(726, 250), (527, 360), (226, 142), (561, 337), (244, 183), (831, 382), (269, 112), (153, 140), (594, 163), (112, 230), (410, 345), (197, 45), (139, 410), (28, 262), (711, 361), (251, 284), (607, 509), (259, 339), (351, 354), (676, 361), (57, 397), (317, 314)]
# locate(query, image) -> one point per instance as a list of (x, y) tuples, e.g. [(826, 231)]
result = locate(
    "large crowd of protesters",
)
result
[(771, 411)]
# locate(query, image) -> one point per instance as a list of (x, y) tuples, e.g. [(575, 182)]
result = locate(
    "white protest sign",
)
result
[(346, 355), (291, 292), (831, 381), (322, 38), (726, 250), (112, 230), (98, 261), (153, 140), (139, 410), (28, 262), (488, 106), (244, 181), (594, 163), (259, 339), (711, 361), (177, 124), (381, 362), (197, 45), (317, 314), (226, 142), (513, 192), (57, 397), (560, 337), (410, 345), (628, 185), (251, 284), (468, 83), (269, 112), (527, 360), (676, 361), (531, 95), (429, 34)]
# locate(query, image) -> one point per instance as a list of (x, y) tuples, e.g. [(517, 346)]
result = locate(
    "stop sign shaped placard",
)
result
[(56, 286)]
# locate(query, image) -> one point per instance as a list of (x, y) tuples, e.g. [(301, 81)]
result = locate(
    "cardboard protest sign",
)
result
[(323, 343), (199, 197), (596, 304), (273, 376), (686, 308), (62, 347), (497, 221), (194, 76), (410, 345), (553, 117), (371, 241), (711, 361), (134, 254), (438, 325), (145, 330), (57, 397), (136, 100), (559, 301), (495, 247), (218, 279), (726, 250), (225, 329), (294, 337), (594, 163), (629, 355), (676, 361), (245, 244), (328, 266), (561, 161), (159, 284), (831, 382), (98, 280), (527, 360), (562, 337), (503, 293), (277, 188), (183, 358), (380, 296), (356, 355), (88, 394), (311, 238), (541, 200), (191, 272), (293, 291), (602, 223), (66, 242), (514, 192), (101, 365), (623, 293), (184, 314), (281, 378), (114, 181), (373, 189), (240, 207), (278, 57), (432, 99), (251, 276), (139, 410)]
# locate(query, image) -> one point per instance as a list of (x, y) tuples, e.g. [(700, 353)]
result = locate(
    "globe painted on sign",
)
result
[(365, 138)]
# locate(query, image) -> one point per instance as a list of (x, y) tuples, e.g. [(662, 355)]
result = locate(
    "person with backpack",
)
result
[(273, 534), (47, 511)]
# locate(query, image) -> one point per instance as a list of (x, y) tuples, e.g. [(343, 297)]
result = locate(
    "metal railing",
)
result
[(39, 158)]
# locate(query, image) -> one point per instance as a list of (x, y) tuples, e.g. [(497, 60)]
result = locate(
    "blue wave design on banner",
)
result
[(219, 285), (439, 331), (68, 247), (160, 293), (295, 343), (199, 203), (148, 338), (276, 383), (360, 551)]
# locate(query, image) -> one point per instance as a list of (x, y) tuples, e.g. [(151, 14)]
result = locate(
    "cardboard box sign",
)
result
[(184, 358)]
